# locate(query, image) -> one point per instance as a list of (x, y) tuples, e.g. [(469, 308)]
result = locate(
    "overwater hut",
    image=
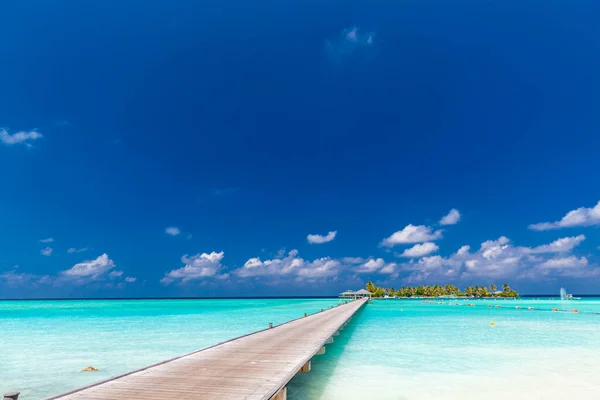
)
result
[(362, 293)]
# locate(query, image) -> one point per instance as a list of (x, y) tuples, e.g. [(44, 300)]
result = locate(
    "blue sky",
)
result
[(190, 148)]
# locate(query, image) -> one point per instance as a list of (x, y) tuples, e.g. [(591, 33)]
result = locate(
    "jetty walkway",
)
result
[(257, 366)]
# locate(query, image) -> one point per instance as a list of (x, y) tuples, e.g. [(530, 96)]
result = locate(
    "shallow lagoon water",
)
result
[(406, 349), (45, 344), (392, 349)]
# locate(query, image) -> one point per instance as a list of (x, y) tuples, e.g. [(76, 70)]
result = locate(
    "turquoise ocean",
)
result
[(392, 349)]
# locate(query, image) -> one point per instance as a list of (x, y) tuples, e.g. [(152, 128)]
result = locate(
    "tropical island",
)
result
[(441, 291)]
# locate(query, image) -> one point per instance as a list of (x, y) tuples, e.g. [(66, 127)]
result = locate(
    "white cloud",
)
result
[(502, 240), (15, 279), (580, 217), (81, 273), (565, 262), (91, 269), (48, 240), (371, 266), (319, 239), (463, 250), (420, 250), (491, 249), (349, 41), (431, 262), (321, 267), (20, 137), (452, 218), (560, 245), (130, 279), (412, 234), (46, 251), (196, 267), (291, 266), (172, 230), (500, 259), (389, 268), (76, 250), (494, 252), (353, 260)]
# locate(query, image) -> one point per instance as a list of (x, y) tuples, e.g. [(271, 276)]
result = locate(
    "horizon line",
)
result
[(231, 298)]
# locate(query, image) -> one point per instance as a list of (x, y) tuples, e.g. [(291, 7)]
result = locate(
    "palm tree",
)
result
[(447, 290), (371, 287), (427, 291), (493, 288)]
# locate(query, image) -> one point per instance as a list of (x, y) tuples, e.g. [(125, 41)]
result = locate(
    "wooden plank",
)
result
[(252, 367)]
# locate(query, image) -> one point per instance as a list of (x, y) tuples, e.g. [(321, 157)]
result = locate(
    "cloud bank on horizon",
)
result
[(494, 259), (101, 269)]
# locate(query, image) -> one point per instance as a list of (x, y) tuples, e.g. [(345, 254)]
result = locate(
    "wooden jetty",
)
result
[(257, 366)]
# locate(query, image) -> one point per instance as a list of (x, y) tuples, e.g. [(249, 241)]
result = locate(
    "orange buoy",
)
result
[(492, 323), (574, 310), (555, 309)]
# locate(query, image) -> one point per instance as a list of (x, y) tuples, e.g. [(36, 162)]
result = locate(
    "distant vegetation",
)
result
[(438, 290)]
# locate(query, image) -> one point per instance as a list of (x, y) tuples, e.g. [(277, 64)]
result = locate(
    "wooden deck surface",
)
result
[(251, 367)]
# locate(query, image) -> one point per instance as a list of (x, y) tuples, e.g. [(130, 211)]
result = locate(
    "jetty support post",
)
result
[(281, 395), (305, 367), (329, 341), (321, 351)]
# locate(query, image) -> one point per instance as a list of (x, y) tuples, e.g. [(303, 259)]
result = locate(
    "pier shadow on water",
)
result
[(312, 385)]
